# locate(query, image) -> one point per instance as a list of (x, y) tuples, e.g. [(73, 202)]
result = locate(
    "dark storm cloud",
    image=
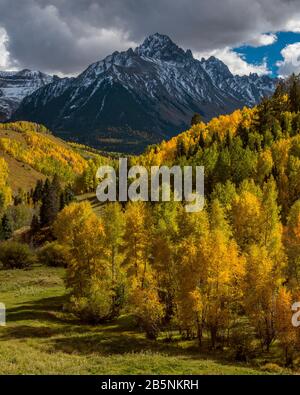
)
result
[(66, 35)]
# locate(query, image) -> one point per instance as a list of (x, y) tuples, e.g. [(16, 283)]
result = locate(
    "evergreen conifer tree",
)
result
[(6, 228)]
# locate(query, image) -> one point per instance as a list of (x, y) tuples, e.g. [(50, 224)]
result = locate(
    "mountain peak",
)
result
[(137, 97), (215, 67), (157, 40), (160, 46)]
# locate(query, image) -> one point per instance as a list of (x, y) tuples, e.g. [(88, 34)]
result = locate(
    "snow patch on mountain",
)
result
[(15, 85), (154, 88)]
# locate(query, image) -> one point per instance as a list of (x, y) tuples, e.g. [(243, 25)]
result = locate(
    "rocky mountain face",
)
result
[(14, 86), (134, 98)]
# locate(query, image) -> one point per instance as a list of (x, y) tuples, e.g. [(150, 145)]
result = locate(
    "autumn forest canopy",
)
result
[(226, 276)]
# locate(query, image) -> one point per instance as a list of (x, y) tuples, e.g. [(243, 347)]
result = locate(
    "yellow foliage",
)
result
[(261, 284), (246, 218), (36, 147), (5, 190), (287, 334)]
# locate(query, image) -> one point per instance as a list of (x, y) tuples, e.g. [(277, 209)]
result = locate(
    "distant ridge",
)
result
[(15, 85)]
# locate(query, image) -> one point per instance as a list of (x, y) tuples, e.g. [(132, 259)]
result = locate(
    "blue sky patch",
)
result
[(269, 52)]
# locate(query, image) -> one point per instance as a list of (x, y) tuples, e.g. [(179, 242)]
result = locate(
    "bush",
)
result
[(241, 343), (148, 311), (15, 255), (20, 216), (53, 254), (94, 308)]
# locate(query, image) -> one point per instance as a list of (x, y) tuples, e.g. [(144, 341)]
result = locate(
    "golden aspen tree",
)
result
[(190, 276), (164, 239), (143, 287), (232, 267), (292, 244), (246, 219), (136, 242), (114, 227), (5, 190), (260, 288), (286, 332), (271, 227), (147, 307), (210, 278), (189, 273), (265, 165), (224, 271), (88, 273)]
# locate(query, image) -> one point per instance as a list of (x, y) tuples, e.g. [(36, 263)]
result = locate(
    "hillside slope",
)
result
[(32, 153)]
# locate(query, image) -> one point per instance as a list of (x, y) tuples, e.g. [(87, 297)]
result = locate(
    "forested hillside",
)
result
[(224, 278), (230, 272), (32, 147), (32, 153), (34, 163), (255, 144)]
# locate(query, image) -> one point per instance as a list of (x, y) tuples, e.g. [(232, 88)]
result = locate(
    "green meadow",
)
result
[(41, 338)]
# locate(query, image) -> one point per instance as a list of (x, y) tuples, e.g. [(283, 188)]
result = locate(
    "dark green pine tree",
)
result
[(56, 191), (62, 201), (45, 207), (38, 192), (66, 197), (201, 140), (20, 198), (265, 116), (278, 104), (196, 118), (294, 94), (50, 201), (228, 139), (35, 225), (6, 228), (180, 148)]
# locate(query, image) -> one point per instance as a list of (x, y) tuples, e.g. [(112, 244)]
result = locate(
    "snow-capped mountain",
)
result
[(140, 96), (15, 85), (250, 89)]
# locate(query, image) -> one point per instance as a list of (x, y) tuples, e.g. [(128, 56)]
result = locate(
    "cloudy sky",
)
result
[(65, 36)]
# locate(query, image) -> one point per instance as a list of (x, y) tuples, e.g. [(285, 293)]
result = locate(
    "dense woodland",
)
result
[(229, 274)]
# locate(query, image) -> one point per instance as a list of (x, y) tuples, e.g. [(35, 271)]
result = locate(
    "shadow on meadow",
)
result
[(42, 310), (58, 331)]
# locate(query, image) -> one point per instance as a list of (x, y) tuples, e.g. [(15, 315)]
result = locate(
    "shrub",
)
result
[(20, 216), (15, 255), (53, 254), (240, 341), (96, 306), (148, 311)]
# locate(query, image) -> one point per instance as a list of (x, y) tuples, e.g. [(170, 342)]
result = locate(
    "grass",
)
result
[(41, 338)]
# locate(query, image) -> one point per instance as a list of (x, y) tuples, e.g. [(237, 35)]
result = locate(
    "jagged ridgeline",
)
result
[(29, 152), (141, 96)]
